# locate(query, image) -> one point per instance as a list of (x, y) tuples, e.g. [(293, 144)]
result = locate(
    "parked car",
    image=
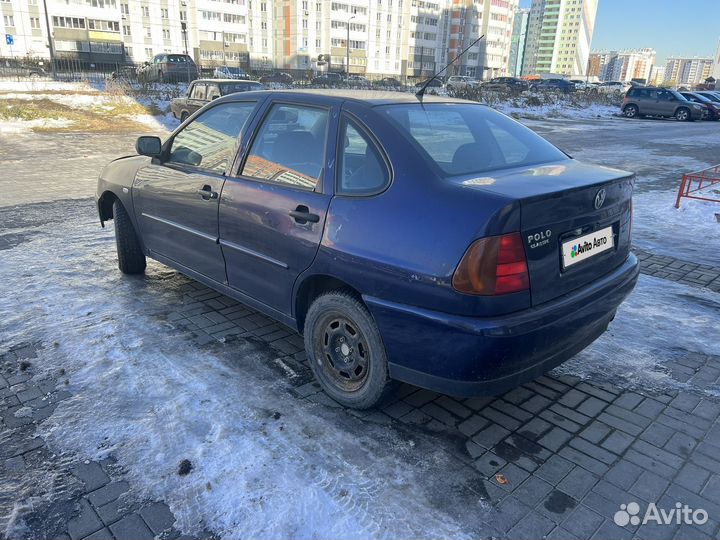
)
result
[(505, 84), (169, 68), (225, 72), (461, 82), (449, 247), (277, 78), (581, 84), (358, 80), (434, 83), (609, 87), (388, 82), (713, 107), (125, 73), (552, 85), (711, 95), (648, 100), (329, 79), (203, 91), (10, 68)]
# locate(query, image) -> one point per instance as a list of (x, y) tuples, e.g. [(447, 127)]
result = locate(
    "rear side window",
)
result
[(468, 139), (362, 169), (177, 58)]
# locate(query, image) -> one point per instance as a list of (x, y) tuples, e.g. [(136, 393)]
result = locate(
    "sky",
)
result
[(686, 28)]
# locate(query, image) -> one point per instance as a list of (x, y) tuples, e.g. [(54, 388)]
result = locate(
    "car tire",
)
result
[(683, 114), (631, 111), (131, 259), (345, 350)]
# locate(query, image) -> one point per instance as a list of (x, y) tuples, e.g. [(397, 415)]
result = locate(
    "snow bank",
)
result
[(557, 110), (44, 85), (147, 394), (691, 233), (25, 126)]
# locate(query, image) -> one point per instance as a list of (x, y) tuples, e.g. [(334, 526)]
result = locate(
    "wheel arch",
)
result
[(311, 288), (105, 205)]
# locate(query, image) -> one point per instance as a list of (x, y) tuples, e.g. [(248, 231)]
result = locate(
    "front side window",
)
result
[(362, 169), (289, 148), (470, 139), (208, 142)]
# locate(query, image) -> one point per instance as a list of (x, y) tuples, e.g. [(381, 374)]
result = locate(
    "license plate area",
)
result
[(587, 246)]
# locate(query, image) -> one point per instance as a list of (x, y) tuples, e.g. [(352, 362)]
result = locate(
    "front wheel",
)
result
[(131, 259), (631, 111), (345, 350), (682, 114)]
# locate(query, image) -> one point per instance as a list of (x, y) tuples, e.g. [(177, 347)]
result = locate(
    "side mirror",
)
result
[(148, 146)]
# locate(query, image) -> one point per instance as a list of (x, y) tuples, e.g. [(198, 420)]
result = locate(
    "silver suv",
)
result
[(645, 100)]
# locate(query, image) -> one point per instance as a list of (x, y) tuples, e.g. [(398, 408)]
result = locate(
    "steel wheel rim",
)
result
[(342, 352)]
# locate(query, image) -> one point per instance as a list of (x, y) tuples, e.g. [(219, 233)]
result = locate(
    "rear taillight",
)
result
[(493, 265)]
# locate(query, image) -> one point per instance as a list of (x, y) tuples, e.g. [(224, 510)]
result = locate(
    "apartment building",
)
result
[(687, 71), (623, 66), (559, 36), (517, 41), (401, 38)]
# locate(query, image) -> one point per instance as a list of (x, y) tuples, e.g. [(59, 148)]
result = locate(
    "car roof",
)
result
[(369, 97)]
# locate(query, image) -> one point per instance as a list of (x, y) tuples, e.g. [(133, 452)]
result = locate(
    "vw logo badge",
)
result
[(599, 199)]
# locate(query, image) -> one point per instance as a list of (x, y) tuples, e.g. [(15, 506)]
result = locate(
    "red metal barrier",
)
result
[(697, 181)]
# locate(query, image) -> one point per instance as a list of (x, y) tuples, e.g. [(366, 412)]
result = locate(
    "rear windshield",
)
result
[(231, 88), (177, 58), (469, 139)]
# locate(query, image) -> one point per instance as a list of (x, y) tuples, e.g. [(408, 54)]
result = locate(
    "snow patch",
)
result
[(25, 126), (659, 323)]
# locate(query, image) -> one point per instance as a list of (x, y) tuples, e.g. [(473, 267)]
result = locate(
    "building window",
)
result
[(35, 23), (8, 20)]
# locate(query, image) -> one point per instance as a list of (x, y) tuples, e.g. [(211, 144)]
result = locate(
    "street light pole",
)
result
[(51, 46), (347, 64)]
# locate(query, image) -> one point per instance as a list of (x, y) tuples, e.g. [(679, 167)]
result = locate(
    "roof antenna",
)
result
[(420, 93)]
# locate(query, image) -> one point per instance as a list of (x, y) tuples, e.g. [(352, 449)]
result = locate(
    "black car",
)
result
[(552, 85), (388, 82), (277, 78), (328, 79), (505, 84), (433, 83)]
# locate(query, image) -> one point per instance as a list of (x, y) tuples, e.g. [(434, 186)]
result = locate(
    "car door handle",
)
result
[(302, 215), (207, 193)]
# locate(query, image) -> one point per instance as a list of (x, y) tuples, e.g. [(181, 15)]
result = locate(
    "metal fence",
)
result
[(71, 69)]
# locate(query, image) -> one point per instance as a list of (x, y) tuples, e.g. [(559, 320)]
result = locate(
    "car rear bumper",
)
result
[(467, 356)]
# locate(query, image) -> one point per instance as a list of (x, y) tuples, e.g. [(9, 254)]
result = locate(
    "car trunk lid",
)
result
[(570, 204)]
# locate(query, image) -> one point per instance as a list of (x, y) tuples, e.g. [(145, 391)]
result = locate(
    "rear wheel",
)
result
[(131, 259), (631, 111), (345, 350), (683, 114)]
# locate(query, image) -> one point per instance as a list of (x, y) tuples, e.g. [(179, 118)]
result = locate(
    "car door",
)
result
[(176, 196), (272, 211)]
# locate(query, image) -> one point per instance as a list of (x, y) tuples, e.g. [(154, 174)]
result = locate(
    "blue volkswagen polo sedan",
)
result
[(436, 242)]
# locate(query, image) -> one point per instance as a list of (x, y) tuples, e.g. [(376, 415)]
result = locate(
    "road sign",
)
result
[(9, 39)]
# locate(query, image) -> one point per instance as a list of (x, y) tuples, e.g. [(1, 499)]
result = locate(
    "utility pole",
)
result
[(347, 65), (51, 45)]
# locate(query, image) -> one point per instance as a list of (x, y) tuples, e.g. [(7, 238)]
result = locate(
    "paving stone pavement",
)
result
[(570, 451), (559, 455)]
